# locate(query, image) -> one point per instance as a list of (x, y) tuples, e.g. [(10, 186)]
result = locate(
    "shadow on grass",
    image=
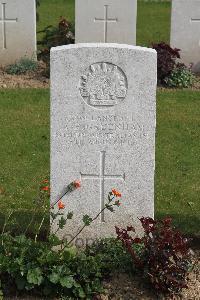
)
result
[(23, 222), (188, 222), (22, 219)]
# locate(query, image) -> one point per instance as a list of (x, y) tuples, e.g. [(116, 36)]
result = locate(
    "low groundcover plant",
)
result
[(22, 66), (53, 267)]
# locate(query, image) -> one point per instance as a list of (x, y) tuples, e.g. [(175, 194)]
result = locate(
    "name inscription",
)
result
[(101, 130)]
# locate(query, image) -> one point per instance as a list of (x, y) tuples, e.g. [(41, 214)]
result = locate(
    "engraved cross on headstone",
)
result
[(106, 20), (102, 177), (3, 21)]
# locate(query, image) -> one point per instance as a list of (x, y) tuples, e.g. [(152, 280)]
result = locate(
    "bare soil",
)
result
[(124, 287), (35, 79)]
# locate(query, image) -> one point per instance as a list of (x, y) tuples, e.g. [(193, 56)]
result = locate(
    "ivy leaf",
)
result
[(67, 281), (54, 278), (81, 293), (87, 220), (34, 276)]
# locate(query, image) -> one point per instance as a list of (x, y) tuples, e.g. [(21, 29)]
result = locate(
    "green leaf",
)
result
[(87, 220), (20, 282), (54, 240), (81, 293), (67, 281), (110, 208), (70, 215), (62, 222), (54, 278), (34, 276)]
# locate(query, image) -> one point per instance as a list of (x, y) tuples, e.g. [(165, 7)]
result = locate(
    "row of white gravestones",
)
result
[(115, 21), (17, 30), (103, 106), (97, 21), (185, 30)]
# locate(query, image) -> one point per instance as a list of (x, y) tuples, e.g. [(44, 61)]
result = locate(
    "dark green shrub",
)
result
[(180, 77), (22, 66), (63, 34)]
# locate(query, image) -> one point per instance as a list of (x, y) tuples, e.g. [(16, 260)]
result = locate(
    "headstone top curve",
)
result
[(102, 45)]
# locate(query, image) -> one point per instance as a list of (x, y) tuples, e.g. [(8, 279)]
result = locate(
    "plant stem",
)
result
[(30, 223), (67, 245), (36, 236), (5, 223)]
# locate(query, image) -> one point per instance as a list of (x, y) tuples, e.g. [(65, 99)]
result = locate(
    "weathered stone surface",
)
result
[(103, 131), (185, 30), (92, 27), (17, 30)]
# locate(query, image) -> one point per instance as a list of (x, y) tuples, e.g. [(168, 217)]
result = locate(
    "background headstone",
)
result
[(103, 106), (106, 21), (185, 30), (17, 30)]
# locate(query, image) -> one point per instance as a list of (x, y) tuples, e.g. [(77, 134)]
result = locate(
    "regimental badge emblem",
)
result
[(103, 84)]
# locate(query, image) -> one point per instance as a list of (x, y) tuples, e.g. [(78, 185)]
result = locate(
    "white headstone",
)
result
[(17, 30), (106, 21), (103, 116), (185, 30)]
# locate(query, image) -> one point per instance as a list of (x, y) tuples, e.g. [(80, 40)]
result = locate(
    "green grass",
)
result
[(24, 146), (24, 151), (153, 22), (177, 158)]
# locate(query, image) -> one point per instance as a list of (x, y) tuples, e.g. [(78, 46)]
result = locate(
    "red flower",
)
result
[(61, 205), (45, 188), (116, 193), (77, 184)]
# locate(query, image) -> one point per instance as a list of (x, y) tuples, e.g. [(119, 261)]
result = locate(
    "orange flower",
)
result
[(77, 184), (45, 188), (61, 205), (116, 193)]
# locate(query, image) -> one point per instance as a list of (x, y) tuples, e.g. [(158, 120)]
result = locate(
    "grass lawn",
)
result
[(24, 152), (24, 148), (153, 22)]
